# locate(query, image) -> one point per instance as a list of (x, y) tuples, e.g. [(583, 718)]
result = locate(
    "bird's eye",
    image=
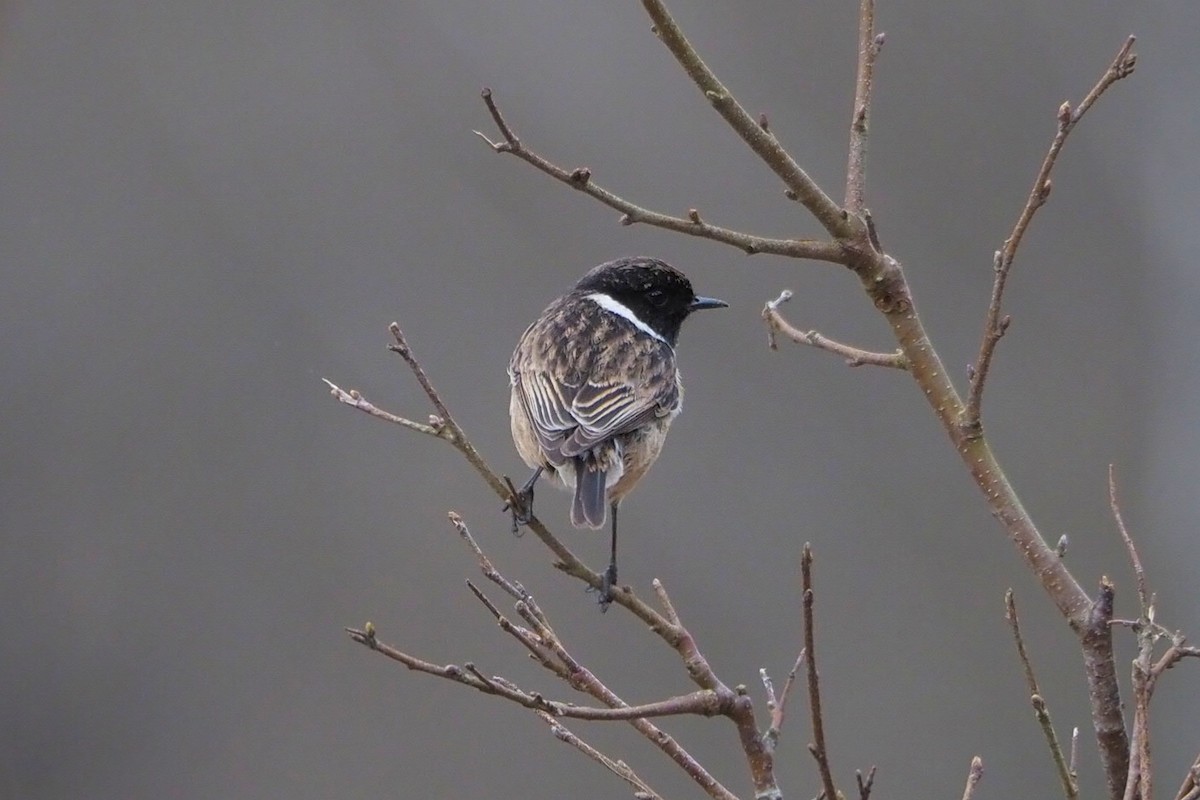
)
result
[(656, 297)]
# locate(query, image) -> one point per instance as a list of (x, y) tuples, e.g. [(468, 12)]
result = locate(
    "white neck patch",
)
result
[(621, 310)]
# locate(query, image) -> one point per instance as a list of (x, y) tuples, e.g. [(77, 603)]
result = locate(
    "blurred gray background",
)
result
[(207, 208)]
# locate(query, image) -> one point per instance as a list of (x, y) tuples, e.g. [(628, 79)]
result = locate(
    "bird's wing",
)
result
[(570, 420)]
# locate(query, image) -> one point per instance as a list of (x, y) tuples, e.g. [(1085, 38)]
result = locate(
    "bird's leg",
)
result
[(521, 505), (610, 574)]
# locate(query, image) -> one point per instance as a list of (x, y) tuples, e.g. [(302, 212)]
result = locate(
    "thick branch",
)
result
[(996, 324), (1104, 691), (692, 225)]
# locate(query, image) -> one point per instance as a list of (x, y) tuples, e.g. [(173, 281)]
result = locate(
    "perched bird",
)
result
[(595, 388)]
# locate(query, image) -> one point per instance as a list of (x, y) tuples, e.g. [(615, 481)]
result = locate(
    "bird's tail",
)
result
[(589, 507)]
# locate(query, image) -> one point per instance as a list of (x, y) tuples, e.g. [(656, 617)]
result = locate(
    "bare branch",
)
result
[(665, 601), (855, 357), (1104, 691), (778, 705), (996, 323), (973, 777), (1190, 788), (869, 45), (1010, 614), (515, 591), (1138, 572), (1074, 765), (865, 786), (1070, 786), (761, 141), (1175, 653), (759, 756), (355, 400), (702, 703), (692, 225), (618, 768), (817, 748), (547, 649)]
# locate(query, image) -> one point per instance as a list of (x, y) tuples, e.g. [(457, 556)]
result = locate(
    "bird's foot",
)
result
[(520, 505), (607, 582)]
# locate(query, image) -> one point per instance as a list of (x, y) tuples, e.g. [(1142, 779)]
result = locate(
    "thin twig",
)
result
[(401, 347), (865, 786), (1190, 788), (1074, 765), (618, 768), (762, 142), (355, 400), (996, 322), (664, 600), (702, 703), (1138, 572), (817, 748), (631, 213), (1140, 779), (1070, 787), (973, 777), (485, 564), (1175, 653), (1014, 623), (869, 45), (855, 357), (778, 705)]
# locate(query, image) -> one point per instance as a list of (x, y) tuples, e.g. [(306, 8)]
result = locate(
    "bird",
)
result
[(595, 387)]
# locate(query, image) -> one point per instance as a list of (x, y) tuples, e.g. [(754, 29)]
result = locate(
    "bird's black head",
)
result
[(659, 295)]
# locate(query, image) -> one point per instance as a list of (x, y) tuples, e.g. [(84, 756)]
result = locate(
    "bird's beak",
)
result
[(700, 303)]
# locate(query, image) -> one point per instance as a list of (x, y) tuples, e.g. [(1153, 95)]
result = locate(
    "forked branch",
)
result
[(761, 140)]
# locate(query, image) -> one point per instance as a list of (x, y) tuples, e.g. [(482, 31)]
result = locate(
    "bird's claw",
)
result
[(607, 582), (520, 505)]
